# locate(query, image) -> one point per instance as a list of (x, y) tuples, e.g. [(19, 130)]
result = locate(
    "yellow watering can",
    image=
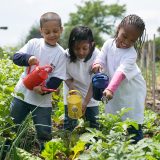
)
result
[(74, 99)]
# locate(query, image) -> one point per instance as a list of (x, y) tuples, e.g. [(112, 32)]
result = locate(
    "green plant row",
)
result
[(110, 142)]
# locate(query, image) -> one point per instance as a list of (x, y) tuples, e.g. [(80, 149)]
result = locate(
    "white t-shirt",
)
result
[(132, 91), (46, 55), (80, 72)]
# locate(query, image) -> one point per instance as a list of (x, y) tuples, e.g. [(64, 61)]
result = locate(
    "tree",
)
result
[(157, 45), (158, 30), (100, 17), (33, 33)]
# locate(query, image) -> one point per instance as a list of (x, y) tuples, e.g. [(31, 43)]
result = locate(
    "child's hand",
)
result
[(96, 68), (33, 61), (108, 94), (38, 90)]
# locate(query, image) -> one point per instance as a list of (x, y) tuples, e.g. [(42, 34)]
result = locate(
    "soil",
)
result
[(151, 103)]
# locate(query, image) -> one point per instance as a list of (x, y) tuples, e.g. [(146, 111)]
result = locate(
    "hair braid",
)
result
[(135, 20)]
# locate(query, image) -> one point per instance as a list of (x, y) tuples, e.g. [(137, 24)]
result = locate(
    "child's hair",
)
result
[(139, 24), (50, 16), (78, 34)]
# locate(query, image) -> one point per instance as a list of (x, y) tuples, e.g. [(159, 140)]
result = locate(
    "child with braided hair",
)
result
[(127, 87)]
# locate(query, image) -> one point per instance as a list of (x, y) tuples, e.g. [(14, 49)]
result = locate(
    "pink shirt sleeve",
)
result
[(116, 81)]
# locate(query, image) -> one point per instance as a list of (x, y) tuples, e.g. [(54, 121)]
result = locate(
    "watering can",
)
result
[(99, 82), (37, 77), (74, 100)]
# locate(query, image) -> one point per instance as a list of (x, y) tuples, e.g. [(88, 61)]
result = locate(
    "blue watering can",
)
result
[(99, 82)]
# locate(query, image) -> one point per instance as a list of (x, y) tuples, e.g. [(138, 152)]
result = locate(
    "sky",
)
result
[(20, 15)]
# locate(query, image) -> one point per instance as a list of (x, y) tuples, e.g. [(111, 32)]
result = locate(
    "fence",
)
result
[(149, 70)]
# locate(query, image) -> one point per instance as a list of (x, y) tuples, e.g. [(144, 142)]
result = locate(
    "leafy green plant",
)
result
[(79, 147), (110, 142), (150, 126), (9, 74), (21, 154), (7, 52), (54, 149)]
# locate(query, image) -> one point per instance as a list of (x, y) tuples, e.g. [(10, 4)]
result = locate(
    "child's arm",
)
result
[(116, 81), (114, 84), (23, 59), (87, 98), (69, 83), (54, 83)]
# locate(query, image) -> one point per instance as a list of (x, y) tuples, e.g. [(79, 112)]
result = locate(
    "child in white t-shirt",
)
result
[(127, 87), (42, 51), (80, 55)]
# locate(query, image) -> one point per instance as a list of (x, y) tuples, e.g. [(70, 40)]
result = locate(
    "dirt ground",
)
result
[(154, 104)]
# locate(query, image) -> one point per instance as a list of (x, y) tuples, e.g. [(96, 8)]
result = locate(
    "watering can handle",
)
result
[(44, 67), (49, 67), (29, 68), (48, 89), (73, 91)]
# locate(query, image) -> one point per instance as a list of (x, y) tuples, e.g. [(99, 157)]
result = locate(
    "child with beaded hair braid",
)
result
[(127, 87)]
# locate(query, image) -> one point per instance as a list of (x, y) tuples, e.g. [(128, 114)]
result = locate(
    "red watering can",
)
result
[(37, 77)]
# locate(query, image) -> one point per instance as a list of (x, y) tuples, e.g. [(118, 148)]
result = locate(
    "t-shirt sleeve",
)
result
[(27, 48), (53, 82), (21, 59), (102, 56), (128, 64), (22, 56), (60, 69), (67, 74)]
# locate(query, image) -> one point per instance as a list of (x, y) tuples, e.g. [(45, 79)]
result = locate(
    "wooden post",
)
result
[(149, 64), (153, 73), (143, 59)]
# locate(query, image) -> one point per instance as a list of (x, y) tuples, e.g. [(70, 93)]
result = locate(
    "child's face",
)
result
[(81, 49), (51, 32), (127, 36)]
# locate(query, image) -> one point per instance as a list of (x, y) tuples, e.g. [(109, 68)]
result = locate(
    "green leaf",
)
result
[(80, 146)]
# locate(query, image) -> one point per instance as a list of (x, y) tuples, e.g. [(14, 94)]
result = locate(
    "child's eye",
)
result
[(47, 32), (85, 48), (55, 31)]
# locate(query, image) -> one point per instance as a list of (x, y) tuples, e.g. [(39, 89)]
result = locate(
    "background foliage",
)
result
[(100, 17)]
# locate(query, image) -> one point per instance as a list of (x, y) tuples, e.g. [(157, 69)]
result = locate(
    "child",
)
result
[(127, 87), (43, 51), (81, 54)]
